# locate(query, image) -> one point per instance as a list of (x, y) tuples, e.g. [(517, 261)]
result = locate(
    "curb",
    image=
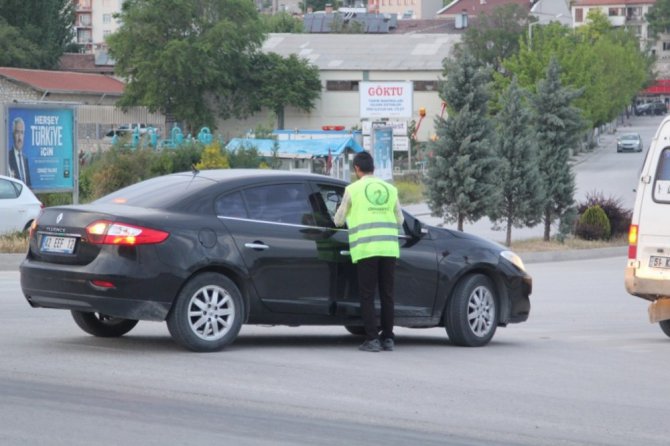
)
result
[(573, 254)]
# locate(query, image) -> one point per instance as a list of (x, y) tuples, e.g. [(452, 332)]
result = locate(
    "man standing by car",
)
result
[(371, 209), (18, 165)]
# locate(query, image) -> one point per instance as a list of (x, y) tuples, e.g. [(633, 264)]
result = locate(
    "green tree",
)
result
[(463, 167), (187, 58), (522, 188), (658, 17), (35, 33), (496, 36), (282, 82), (596, 58), (282, 22), (559, 129)]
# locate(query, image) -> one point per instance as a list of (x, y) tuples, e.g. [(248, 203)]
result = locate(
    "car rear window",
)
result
[(159, 192)]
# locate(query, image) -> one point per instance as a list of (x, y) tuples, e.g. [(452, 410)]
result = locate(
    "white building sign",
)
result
[(386, 99)]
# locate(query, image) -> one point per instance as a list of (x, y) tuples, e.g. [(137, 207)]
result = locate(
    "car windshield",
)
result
[(160, 192), (629, 137)]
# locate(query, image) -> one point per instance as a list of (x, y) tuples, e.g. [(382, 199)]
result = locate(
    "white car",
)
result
[(18, 205)]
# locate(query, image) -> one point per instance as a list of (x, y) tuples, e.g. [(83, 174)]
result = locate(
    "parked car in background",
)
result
[(629, 142), (651, 108), (209, 251), (18, 205)]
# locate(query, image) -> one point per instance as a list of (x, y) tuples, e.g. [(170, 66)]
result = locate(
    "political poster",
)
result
[(41, 147)]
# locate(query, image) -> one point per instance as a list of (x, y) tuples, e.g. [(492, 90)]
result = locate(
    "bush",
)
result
[(593, 224), (409, 192), (619, 217)]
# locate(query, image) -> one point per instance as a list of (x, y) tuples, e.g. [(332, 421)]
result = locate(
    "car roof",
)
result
[(223, 175)]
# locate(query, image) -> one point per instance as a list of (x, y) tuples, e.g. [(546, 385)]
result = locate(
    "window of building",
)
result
[(666, 46), (84, 36), (426, 85), (106, 19), (613, 12), (342, 85), (579, 15), (85, 20), (86, 4)]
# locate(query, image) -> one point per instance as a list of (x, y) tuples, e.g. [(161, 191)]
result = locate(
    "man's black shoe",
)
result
[(388, 344), (371, 346)]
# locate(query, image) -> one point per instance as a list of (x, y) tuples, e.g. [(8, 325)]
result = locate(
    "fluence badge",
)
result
[(377, 193)]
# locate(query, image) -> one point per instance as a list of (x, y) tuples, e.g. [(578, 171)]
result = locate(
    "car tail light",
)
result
[(632, 242), (103, 232), (102, 284)]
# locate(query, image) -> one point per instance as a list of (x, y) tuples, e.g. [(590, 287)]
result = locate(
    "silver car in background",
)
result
[(629, 142)]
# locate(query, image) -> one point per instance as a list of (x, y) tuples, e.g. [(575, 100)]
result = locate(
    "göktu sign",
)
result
[(386, 99)]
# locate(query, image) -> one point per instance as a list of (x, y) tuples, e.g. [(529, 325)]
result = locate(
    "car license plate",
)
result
[(58, 244), (659, 262)]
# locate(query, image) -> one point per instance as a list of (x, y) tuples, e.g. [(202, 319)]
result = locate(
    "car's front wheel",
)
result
[(665, 326), (207, 314), (471, 317), (101, 325)]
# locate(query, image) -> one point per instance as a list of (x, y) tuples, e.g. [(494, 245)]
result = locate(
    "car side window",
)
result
[(327, 201), (280, 203), (7, 190), (662, 181), (231, 205)]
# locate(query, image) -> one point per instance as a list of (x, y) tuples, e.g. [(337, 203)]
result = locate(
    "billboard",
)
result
[(382, 144), (40, 146), (386, 99)]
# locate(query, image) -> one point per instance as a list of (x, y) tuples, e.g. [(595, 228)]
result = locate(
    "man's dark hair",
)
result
[(363, 160)]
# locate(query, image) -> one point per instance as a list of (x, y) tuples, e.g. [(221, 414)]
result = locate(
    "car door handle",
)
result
[(344, 253), (257, 246)]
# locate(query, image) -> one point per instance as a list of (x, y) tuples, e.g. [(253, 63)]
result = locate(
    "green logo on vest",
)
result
[(377, 193)]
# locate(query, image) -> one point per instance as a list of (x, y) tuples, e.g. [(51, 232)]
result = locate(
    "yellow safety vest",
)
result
[(373, 229)]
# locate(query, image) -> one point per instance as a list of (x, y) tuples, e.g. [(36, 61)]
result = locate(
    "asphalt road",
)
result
[(586, 369)]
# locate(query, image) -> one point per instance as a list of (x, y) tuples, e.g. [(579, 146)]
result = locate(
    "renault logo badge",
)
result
[(59, 218)]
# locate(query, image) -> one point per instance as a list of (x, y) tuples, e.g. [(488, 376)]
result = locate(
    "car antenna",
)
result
[(194, 170)]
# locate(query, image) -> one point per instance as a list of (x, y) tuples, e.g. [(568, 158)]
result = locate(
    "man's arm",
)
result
[(399, 217), (341, 214)]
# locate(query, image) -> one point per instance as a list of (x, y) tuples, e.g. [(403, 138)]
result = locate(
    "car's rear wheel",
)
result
[(207, 314), (471, 317), (101, 325), (665, 326)]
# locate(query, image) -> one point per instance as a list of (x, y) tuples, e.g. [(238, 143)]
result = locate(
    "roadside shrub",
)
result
[(409, 192), (593, 224), (619, 217)]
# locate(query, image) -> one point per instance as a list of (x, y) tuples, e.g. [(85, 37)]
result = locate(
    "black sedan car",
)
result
[(209, 251)]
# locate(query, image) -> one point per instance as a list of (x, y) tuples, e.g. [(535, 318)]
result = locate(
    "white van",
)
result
[(648, 269)]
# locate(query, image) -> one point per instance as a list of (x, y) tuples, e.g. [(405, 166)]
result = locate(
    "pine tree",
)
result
[(559, 128), (522, 189), (462, 169)]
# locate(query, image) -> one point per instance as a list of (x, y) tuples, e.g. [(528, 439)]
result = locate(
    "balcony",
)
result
[(617, 20)]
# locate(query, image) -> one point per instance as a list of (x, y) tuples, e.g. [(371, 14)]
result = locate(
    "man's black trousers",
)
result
[(376, 273)]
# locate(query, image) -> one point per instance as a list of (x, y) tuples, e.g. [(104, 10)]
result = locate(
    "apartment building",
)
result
[(632, 15), (94, 20)]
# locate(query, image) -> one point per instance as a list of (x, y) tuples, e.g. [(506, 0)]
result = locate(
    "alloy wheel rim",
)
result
[(481, 311), (211, 312)]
